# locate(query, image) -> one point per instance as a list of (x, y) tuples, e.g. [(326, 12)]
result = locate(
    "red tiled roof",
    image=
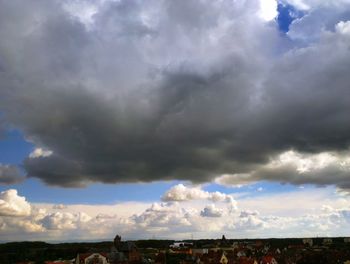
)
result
[(267, 259)]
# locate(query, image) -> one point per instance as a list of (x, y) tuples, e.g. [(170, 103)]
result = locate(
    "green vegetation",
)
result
[(40, 251)]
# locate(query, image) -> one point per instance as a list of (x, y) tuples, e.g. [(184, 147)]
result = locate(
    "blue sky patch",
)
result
[(14, 148), (286, 15)]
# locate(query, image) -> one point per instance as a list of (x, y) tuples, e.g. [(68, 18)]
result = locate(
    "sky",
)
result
[(174, 119)]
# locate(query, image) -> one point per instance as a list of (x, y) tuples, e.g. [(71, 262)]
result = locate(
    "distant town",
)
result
[(204, 251)]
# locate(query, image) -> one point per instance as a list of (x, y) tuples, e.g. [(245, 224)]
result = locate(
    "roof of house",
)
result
[(267, 259)]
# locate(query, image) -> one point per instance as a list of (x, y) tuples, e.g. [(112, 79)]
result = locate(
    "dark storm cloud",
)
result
[(9, 174), (151, 91)]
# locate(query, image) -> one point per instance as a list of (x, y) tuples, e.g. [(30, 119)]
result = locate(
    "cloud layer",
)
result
[(323, 214), (131, 91)]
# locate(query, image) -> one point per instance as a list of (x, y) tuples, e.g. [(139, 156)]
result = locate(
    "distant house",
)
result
[(327, 241), (92, 258), (181, 244), (130, 251), (121, 253), (124, 252), (347, 240), (308, 241)]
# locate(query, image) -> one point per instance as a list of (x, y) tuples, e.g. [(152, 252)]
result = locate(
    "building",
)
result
[(327, 241), (124, 252), (121, 253), (308, 241), (181, 244), (268, 260), (92, 258)]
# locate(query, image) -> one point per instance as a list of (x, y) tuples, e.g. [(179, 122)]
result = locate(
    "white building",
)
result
[(308, 241), (92, 258), (327, 241)]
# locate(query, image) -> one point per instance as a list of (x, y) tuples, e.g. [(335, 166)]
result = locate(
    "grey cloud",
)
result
[(10, 174), (149, 92), (322, 177), (211, 211), (319, 169), (244, 214)]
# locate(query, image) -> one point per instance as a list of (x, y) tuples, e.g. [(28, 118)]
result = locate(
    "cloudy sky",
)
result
[(174, 119)]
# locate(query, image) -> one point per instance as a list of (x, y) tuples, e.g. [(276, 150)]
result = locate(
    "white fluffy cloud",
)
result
[(268, 9), (343, 27), (250, 220), (181, 192), (314, 4), (64, 221), (323, 214), (11, 204), (39, 152)]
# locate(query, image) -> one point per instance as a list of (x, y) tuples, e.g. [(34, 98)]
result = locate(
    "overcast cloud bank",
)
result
[(131, 91)]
